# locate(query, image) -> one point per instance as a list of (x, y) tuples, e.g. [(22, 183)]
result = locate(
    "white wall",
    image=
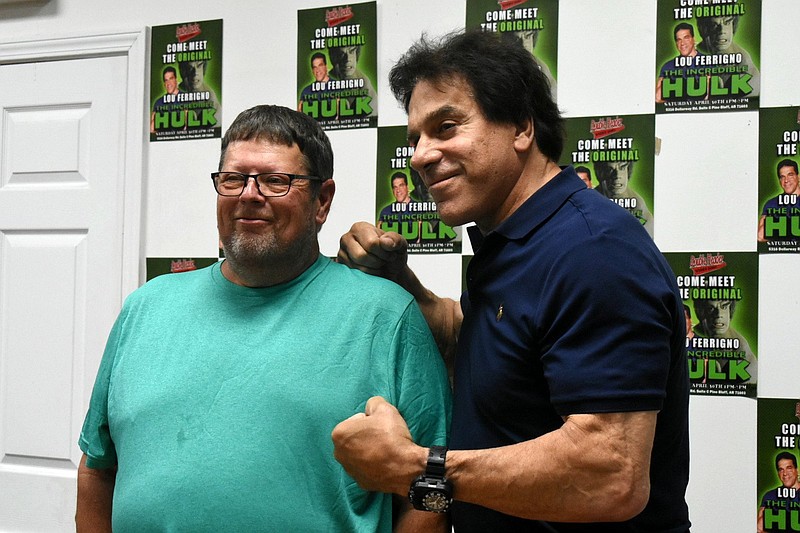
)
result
[(705, 187)]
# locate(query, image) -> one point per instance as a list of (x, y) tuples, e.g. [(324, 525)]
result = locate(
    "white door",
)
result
[(62, 220)]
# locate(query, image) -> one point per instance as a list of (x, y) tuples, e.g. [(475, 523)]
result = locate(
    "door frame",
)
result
[(133, 45)]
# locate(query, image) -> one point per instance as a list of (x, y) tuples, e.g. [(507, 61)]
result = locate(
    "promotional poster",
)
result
[(778, 189), (720, 296), (403, 203), (615, 156), (778, 488), (532, 22), (337, 65), (186, 81), (156, 266), (708, 54)]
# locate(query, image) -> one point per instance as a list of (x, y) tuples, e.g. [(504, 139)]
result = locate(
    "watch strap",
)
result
[(436, 457)]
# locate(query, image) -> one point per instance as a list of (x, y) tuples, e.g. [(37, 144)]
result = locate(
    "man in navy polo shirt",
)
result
[(570, 391)]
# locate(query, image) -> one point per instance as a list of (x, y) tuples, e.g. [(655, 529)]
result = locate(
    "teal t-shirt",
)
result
[(217, 401)]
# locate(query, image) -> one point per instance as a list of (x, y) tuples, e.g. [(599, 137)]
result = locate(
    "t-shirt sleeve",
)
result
[(607, 322), (424, 397), (95, 439)]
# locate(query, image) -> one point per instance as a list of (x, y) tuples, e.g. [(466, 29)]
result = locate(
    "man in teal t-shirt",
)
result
[(219, 388)]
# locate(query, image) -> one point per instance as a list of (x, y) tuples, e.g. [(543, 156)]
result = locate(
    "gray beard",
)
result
[(262, 253)]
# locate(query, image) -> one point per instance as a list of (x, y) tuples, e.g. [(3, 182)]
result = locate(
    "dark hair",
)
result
[(701, 306), (585, 170), (786, 163), (184, 66), (683, 26), (398, 175), (319, 55), (506, 82), (169, 69), (281, 125), (338, 54), (785, 455), (518, 36), (706, 25), (604, 170)]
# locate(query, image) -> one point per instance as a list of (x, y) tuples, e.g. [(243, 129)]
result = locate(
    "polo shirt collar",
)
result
[(535, 210)]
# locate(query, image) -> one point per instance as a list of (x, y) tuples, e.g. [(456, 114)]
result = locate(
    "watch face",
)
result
[(435, 501)]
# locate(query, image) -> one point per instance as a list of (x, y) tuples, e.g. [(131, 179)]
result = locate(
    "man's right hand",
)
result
[(385, 254), (376, 252)]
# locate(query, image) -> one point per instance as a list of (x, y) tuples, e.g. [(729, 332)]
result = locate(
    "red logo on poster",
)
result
[(605, 127), (704, 264), (337, 15), (187, 31), (184, 265), (508, 4)]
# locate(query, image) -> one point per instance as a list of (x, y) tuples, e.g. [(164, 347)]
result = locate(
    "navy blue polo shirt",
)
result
[(570, 308)]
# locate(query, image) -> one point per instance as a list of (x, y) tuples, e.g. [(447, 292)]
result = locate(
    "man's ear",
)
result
[(524, 136), (325, 199)]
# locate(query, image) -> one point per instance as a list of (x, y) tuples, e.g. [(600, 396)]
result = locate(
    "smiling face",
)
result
[(787, 472), (684, 41), (170, 82), (788, 178), (400, 190), (470, 165), (276, 233), (320, 69)]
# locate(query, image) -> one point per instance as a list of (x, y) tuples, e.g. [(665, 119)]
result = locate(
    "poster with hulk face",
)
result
[(778, 184), (778, 450), (402, 201), (708, 56), (720, 296), (615, 156), (186, 81), (337, 65), (533, 23)]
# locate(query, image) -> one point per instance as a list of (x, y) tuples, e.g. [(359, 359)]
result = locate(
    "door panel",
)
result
[(61, 247)]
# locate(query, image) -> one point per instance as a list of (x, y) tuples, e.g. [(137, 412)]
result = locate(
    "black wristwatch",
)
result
[(432, 491)]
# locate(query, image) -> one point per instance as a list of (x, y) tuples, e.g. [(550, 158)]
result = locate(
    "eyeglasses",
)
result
[(269, 184)]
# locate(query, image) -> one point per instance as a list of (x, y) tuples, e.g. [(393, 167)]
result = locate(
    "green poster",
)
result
[(708, 55), (533, 22), (778, 445), (337, 65), (720, 295), (402, 201), (186, 81), (156, 266), (778, 188), (615, 156)]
